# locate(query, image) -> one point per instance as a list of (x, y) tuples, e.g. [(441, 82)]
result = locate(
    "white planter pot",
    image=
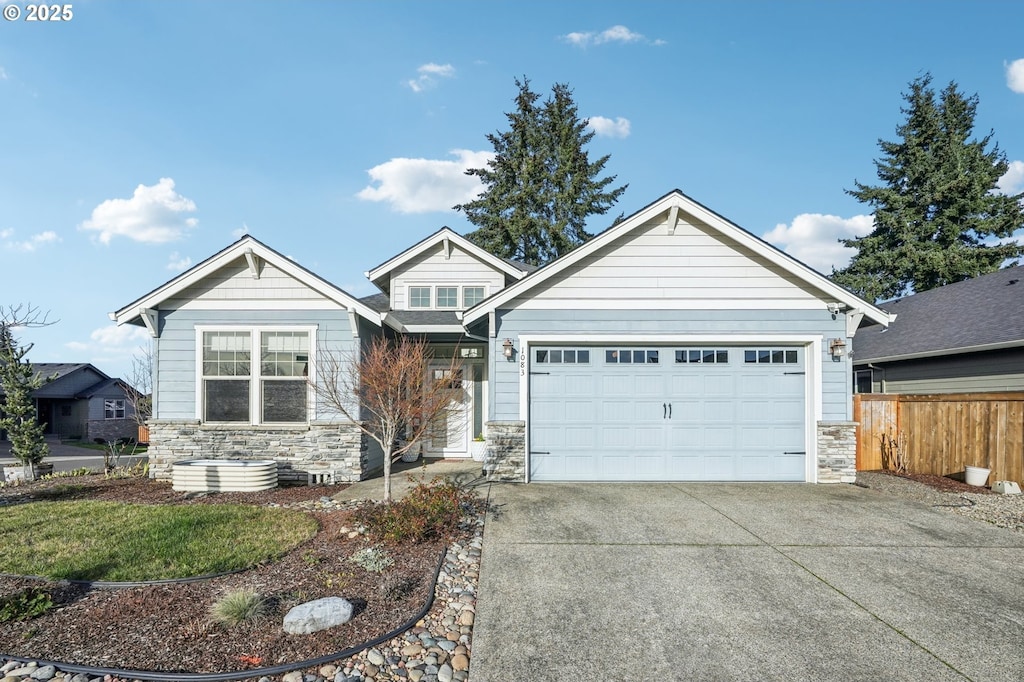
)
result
[(976, 475), (478, 448)]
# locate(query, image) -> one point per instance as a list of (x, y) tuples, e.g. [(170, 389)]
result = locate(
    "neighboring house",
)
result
[(966, 337), (672, 346), (80, 401)]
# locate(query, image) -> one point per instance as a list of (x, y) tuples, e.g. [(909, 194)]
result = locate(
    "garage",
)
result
[(626, 412)]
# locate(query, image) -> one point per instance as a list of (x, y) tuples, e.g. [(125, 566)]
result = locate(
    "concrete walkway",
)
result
[(742, 582), (405, 477)]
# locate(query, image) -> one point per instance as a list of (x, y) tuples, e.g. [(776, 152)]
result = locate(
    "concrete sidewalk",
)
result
[(742, 582), (406, 476)]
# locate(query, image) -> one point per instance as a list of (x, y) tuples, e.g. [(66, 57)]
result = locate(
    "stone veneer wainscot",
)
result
[(298, 450), (837, 452), (505, 459)]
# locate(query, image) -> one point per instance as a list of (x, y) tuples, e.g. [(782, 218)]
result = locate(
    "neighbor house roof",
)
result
[(447, 237), (673, 203), (984, 313), (251, 249), (62, 381)]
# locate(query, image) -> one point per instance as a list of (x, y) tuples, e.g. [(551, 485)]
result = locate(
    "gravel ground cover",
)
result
[(167, 627), (941, 492)]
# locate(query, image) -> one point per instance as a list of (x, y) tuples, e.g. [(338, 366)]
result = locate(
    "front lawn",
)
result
[(94, 540)]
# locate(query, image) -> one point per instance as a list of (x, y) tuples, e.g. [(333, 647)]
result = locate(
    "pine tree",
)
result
[(937, 209), (19, 380), (541, 185)]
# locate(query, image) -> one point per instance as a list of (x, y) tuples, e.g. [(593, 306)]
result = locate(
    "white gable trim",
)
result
[(250, 249), (447, 238), (672, 204)]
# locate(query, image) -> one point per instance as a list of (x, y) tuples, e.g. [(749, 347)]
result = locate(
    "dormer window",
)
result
[(447, 297), (419, 297), (471, 296)]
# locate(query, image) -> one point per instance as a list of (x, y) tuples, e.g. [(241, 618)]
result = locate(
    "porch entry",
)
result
[(453, 432)]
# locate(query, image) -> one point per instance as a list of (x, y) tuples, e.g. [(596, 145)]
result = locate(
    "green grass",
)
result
[(89, 540)]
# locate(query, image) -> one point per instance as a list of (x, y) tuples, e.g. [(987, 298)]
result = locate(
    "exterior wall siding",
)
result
[(431, 268), (504, 385), (235, 282), (695, 263), (69, 385), (988, 372), (176, 369)]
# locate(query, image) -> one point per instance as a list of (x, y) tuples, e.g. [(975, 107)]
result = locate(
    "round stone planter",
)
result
[(16, 472), (976, 475), (223, 475)]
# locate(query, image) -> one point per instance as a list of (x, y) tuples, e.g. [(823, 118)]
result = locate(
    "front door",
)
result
[(451, 433)]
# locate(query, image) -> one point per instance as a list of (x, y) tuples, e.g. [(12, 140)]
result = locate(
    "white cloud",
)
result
[(155, 214), (178, 263), (1012, 181), (425, 185), (615, 34), (812, 238), (111, 348), (1015, 76), (240, 232), (3, 74), (428, 75), (30, 244), (607, 127)]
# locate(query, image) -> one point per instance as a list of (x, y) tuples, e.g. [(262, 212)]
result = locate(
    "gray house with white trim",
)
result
[(673, 346), (982, 351)]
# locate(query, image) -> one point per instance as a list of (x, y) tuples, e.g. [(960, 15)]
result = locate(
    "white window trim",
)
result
[(408, 297), (812, 372), (460, 294), (123, 408), (255, 413)]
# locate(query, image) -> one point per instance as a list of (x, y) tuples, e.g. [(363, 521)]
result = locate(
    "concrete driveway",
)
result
[(742, 582)]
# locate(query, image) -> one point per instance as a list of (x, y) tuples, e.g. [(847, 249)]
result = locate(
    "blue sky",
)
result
[(141, 137)]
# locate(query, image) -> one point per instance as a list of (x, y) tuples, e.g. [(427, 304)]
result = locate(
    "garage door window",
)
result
[(629, 356), (702, 356), (773, 356), (567, 356)]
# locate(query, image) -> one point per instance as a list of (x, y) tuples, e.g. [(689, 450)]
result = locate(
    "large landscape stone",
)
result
[(317, 615)]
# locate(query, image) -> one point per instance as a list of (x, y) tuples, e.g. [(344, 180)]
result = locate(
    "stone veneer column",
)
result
[(505, 459), (837, 452), (318, 447)]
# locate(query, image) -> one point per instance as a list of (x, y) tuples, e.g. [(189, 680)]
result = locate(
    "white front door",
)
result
[(451, 433)]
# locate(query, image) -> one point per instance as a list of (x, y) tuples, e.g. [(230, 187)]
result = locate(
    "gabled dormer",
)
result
[(443, 273)]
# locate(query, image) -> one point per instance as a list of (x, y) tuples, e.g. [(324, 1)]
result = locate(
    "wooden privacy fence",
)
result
[(946, 432)]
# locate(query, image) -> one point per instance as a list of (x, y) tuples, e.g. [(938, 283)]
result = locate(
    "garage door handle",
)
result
[(670, 410), (664, 410), (795, 452)]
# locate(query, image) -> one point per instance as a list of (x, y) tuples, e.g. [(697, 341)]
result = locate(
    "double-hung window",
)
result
[(270, 388), (112, 409)]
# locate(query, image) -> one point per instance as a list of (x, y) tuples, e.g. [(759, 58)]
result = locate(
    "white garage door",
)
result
[(631, 413)]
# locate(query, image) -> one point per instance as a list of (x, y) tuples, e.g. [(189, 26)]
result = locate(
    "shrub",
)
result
[(238, 606), (25, 604), (430, 511), (373, 559)]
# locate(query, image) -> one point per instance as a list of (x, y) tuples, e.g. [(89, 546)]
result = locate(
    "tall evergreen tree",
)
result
[(18, 411), (541, 185), (937, 208)]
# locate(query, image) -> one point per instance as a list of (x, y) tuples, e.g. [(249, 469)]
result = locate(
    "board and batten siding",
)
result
[(176, 378), (835, 373), (431, 268), (694, 264)]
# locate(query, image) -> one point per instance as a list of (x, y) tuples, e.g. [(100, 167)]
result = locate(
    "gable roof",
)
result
[(673, 203), (446, 236), (64, 379), (247, 247), (983, 313)]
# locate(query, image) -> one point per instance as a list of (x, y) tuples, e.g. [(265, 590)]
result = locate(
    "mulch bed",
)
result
[(167, 627), (941, 483)]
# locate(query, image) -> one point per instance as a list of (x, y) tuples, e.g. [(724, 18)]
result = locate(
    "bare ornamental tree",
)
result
[(388, 392)]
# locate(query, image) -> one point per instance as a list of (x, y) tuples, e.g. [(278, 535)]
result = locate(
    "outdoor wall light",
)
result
[(836, 347), (507, 348)]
